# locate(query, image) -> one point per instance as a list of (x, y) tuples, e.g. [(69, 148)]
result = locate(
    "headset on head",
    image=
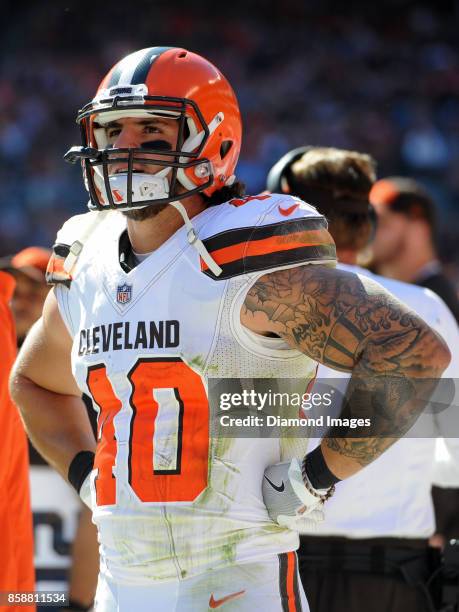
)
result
[(281, 170)]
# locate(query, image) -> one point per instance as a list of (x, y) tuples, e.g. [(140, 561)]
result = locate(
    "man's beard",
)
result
[(141, 214)]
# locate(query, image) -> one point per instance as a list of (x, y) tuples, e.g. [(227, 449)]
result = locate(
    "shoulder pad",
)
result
[(266, 208), (69, 243), (265, 232)]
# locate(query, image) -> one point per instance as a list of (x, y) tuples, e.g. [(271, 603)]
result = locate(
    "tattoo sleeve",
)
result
[(350, 323)]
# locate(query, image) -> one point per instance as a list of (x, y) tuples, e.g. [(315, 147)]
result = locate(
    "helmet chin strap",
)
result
[(194, 239), (95, 218)]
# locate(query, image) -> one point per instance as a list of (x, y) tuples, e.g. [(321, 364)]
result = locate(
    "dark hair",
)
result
[(337, 182), (236, 190)]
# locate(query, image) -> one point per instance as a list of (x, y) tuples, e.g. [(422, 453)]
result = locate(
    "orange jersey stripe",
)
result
[(291, 568), (274, 244), (55, 272)]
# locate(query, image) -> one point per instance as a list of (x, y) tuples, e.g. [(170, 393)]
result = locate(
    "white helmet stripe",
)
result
[(128, 66), (134, 68)]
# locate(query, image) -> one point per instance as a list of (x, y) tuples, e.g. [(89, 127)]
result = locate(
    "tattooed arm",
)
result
[(352, 324)]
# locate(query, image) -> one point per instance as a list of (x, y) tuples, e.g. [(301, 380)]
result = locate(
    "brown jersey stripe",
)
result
[(245, 234), (244, 265), (283, 581), (288, 583), (296, 590), (274, 244)]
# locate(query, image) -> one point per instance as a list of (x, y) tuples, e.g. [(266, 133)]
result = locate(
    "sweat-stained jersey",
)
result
[(173, 496)]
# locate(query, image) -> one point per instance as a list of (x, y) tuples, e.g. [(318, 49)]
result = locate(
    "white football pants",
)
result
[(271, 585)]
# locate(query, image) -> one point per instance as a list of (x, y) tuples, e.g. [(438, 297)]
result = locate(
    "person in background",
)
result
[(377, 525), (405, 249), (16, 564), (28, 267)]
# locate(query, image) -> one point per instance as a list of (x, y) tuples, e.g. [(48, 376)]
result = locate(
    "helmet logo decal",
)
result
[(105, 96), (118, 196)]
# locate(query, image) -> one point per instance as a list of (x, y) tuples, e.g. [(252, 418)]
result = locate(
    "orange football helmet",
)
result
[(166, 82)]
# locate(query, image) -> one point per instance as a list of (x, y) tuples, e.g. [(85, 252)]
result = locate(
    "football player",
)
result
[(175, 285), (384, 512)]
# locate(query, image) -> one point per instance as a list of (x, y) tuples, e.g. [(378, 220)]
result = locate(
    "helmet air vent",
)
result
[(225, 147)]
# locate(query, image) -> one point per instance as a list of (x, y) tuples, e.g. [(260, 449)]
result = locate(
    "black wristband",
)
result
[(79, 468), (317, 470)]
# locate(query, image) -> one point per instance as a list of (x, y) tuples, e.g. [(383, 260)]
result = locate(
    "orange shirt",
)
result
[(16, 560)]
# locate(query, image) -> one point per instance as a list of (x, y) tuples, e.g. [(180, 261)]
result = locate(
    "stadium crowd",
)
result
[(384, 81)]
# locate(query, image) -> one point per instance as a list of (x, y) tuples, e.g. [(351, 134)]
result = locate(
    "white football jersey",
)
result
[(172, 495)]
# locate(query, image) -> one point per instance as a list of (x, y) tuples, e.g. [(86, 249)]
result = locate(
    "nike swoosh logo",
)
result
[(279, 488), (288, 211), (216, 603)]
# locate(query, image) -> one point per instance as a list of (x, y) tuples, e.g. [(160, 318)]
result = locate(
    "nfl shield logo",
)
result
[(124, 294)]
